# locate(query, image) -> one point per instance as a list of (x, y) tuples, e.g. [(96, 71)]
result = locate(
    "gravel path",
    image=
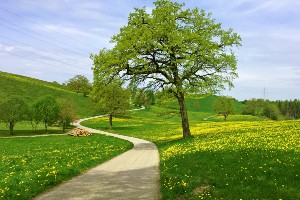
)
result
[(131, 175)]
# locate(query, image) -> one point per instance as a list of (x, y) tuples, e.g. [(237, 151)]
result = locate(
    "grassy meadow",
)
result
[(30, 89), (32, 165), (203, 104), (25, 129), (244, 158)]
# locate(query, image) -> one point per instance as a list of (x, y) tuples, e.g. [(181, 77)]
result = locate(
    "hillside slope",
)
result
[(201, 104), (30, 89)]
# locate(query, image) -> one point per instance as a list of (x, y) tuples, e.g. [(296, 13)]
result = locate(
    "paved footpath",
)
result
[(131, 175)]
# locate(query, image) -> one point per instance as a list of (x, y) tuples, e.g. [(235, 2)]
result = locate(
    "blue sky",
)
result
[(52, 39)]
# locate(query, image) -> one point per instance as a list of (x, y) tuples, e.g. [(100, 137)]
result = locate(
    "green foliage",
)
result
[(66, 113), (13, 110), (33, 165), (181, 49), (144, 98), (30, 89), (79, 84), (271, 111), (289, 109), (111, 99), (260, 107), (46, 109), (254, 107), (224, 106)]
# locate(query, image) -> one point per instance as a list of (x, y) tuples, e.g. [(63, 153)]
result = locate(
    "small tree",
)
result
[(66, 113), (46, 109), (254, 107), (111, 99), (79, 84), (12, 111), (271, 111), (224, 106), (144, 98)]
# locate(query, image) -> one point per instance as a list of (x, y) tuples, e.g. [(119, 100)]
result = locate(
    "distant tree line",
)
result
[(289, 109), (46, 110), (272, 109)]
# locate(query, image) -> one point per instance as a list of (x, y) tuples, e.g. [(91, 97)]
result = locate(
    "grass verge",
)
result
[(30, 166)]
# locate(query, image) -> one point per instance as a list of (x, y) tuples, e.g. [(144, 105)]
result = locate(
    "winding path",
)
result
[(131, 175)]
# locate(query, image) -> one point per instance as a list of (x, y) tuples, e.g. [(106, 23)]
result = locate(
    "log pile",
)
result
[(79, 132)]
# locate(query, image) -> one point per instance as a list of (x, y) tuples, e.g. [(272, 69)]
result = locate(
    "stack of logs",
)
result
[(79, 132)]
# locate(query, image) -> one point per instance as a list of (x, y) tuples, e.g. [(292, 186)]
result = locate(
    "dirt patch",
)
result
[(201, 189)]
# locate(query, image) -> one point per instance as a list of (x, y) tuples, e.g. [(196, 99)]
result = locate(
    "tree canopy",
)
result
[(12, 111), (224, 106), (183, 50), (66, 113), (79, 84), (111, 99), (46, 109)]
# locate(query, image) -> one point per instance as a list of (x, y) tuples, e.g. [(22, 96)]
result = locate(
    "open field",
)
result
[(244, 158), (32, 165), (25, 129)]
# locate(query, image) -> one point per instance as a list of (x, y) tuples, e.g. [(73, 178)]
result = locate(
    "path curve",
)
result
[(131, 175)]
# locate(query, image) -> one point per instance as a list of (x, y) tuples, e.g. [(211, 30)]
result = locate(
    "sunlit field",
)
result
[(31, 165), (25, 129), (243, 158)]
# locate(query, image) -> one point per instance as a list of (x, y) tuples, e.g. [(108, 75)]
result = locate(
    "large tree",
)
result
[(12, 111), (183, 50)]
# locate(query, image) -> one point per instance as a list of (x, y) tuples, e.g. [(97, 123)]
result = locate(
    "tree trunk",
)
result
[(184, 116), (46, 126), (110, 121), (11, 128)]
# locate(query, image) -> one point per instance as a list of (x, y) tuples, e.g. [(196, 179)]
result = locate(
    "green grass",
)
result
[(25, 129), (202, 104), (30, 89), (243, 158), (30, 166), (236, 118)]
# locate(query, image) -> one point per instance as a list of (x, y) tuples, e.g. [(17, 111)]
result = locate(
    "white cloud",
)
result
[(6, 48)]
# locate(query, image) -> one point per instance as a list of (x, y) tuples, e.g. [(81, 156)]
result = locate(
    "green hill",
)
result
[(30, 89), (201, 104)]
